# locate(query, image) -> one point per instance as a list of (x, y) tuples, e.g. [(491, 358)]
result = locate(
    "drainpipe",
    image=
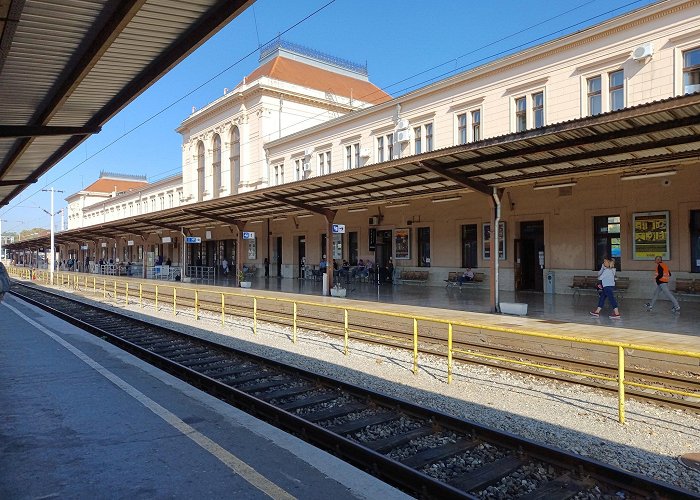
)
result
[(495, 244)]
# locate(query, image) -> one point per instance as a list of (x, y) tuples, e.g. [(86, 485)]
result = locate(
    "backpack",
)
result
[(4, 279)]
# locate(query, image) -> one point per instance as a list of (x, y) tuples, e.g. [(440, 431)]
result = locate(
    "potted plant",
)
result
[(242, 281)]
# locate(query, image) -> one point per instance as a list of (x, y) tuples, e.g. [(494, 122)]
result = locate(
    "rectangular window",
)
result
[(429, 137), (324, 163), (417, 141), (348, 157), (476, 125), (390, 146), (423, 247), (470, 245), (616, 87), (380, 149), (595, 104), (277, 175), (520, 114), (691, 71), (298, 169), (538, 109), (607, 240), (462, 128), (357, 154)]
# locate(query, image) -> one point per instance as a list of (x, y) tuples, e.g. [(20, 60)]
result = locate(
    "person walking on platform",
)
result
[(607, 276), (662, 276)]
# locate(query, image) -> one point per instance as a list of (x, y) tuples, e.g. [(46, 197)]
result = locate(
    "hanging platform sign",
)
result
[(130, 243), (248, 235), (167, 239), (338, 228), (193, 239), (84, 247)]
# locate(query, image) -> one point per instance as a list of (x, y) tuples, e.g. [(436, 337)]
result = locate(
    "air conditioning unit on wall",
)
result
[(403, 136), (643, 52)]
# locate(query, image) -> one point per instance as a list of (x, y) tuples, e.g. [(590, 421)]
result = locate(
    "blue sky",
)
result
[(406, 44)]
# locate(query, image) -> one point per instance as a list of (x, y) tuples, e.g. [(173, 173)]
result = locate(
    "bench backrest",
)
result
[(685, 285), (414, 275)]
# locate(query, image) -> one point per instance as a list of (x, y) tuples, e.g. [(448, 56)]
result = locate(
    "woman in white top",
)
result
[(607, 276)]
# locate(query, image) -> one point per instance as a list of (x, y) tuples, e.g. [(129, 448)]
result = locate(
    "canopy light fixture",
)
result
[(255, 222), (449, 198), (275, 219), (555, 185), (397, 205), (304, 216), (644, 175), (357, 209)]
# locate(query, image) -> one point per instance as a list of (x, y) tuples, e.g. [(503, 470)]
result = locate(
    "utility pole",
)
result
[(52, 257)]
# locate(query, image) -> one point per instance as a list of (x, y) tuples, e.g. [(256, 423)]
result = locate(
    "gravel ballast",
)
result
[(575, 418)]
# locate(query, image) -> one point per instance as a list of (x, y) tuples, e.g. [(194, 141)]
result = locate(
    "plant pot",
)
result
[(517, 308), (246, 284), (338, 292)]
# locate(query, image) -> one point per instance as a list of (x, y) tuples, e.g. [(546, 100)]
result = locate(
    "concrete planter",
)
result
[(517, 308), (338, 292), (246, 284)]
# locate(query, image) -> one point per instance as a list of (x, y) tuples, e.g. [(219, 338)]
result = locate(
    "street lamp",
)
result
[(53, 251)]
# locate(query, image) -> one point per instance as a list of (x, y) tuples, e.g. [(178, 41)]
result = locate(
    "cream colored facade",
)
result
[(269, 132), (89, 208)]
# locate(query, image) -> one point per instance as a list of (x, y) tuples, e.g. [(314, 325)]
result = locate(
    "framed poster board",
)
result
[(486, 241), (650, 235), (402, 243), (252, 249)]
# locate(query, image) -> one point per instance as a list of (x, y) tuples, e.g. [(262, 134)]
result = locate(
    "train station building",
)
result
[(580, 148)]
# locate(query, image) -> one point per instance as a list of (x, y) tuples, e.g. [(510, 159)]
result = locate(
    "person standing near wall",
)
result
[(607, 276), (662, 277)]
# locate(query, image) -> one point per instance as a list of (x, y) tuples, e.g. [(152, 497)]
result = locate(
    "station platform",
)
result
[(80, 418)]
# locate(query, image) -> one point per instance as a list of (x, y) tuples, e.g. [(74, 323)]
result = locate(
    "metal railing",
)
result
[(106, 286)]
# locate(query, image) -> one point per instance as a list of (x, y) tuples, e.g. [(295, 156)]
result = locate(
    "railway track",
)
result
[(534, 358), (425, 453)]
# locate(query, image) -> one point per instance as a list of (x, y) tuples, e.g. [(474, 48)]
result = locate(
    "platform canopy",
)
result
[(641, 140), (68, 66)]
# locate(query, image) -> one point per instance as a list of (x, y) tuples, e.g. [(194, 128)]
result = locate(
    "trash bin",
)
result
[(549, 282)]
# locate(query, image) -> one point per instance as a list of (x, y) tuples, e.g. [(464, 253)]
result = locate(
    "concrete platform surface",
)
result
[(81, 419)]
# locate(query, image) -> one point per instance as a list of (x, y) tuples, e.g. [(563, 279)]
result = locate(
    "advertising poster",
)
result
[(402, 242), (486, 238), (650, 236)]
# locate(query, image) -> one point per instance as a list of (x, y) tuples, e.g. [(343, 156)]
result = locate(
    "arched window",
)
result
[(235, 159), (216, 167), (200, 171)]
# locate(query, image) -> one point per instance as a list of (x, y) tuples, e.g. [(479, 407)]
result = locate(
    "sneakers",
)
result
[(593, 313), (647, 306), (615, 316), (676, 309)]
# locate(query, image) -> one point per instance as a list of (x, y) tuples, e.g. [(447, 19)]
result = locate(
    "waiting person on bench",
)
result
[(468, 275)]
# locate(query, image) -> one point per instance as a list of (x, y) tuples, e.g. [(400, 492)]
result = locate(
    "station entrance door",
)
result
[(529, 257)]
